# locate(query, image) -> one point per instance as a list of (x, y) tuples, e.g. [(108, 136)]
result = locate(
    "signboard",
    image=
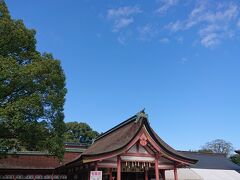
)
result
[(96, 175)]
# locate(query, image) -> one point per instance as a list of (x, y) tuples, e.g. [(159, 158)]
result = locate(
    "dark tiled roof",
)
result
[(121, 135), (238, 151), (34, 160), (211, 161), (76, 145)]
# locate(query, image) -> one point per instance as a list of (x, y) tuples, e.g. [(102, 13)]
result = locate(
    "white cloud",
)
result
[(122, 17), (180, 39), (175, 26), (123, 12), (147, 32), (210, 40), (166, 5), (238, 23), (121, 40), (213, 21), (183, 60), (122, 23), (164, 40)]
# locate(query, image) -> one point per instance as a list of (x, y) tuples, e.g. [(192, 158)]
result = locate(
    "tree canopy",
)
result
[(235, 158), (218, 146), (79, 132), (32, 91)]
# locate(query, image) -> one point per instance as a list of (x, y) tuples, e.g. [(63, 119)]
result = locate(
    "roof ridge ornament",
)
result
[(140, 115)]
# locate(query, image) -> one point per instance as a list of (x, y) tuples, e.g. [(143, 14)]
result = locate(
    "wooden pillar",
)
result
[(15, 177), (96, 166), (175, 174), (164, 177), (156, 169), (146, 174), (110, 173), (118, 168)]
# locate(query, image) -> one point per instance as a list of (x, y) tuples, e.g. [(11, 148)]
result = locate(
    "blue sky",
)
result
[(178, 59)]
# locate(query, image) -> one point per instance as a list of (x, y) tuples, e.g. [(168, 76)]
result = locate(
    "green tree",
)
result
[(235, 158), (218, 146), (76, 130), (32, 91)]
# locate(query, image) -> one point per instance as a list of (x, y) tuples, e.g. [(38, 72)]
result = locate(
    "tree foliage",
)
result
[(235, 158), (32, 91), (219, 146), (76, 130)]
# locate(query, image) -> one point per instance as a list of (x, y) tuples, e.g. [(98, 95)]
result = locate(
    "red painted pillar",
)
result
[(164, 177), (110, 174), (156, 169), (15, 177), (175, 174), (118, 168), (96, 166), (146, 174)]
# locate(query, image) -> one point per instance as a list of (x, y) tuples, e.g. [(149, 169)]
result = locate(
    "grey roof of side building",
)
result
[(211, 161)]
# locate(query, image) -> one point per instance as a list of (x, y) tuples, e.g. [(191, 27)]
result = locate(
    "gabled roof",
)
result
[(211, 161), (238, 151), (120, 136)]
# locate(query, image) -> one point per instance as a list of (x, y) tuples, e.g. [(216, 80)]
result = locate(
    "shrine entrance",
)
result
[(150, 174), (132, 175)]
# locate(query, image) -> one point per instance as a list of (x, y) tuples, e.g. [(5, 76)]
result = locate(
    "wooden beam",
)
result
[(156, 169), (118, 168), (146, 174)]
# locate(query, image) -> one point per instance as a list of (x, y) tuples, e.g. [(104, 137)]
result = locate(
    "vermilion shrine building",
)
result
[(131, 150)]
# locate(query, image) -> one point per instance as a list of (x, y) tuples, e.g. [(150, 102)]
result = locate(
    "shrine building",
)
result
[(129, 151)]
